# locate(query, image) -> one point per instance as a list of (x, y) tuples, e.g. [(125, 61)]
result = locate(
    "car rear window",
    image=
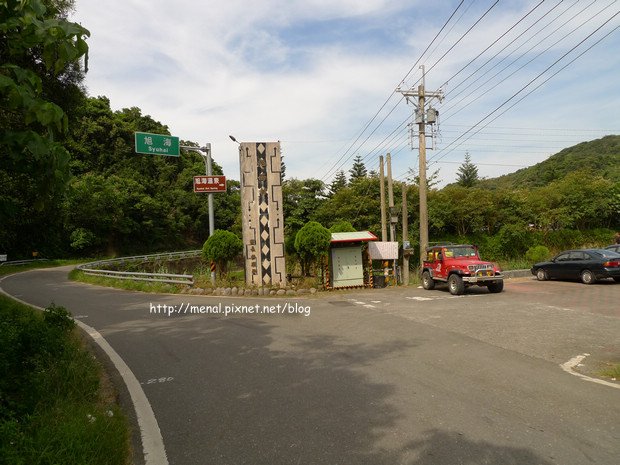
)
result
[(609, 253)]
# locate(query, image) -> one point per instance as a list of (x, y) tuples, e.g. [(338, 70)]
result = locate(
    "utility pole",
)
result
[(405, 237), (422, 118), (382, 191), (391, 198)]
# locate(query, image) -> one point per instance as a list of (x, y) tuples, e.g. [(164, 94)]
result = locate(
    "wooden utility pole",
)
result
[(382, 190), (422, 118), (405, 237), (422, 173), (391, 198)]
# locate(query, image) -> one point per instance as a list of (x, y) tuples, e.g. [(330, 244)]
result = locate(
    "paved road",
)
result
[(403, 376)]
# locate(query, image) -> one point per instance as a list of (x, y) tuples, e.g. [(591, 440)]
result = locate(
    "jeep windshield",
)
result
[(461, 252)]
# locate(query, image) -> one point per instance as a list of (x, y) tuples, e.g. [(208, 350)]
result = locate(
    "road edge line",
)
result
[(152, 440), (573, 362)]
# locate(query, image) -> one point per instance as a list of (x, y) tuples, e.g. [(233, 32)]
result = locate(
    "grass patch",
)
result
[(515, 264), (52, 407), (612, 371)]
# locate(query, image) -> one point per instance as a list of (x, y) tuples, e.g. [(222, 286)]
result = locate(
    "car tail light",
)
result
[(614, 264)]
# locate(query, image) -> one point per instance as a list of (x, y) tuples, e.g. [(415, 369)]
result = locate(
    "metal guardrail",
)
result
[(97, 268)]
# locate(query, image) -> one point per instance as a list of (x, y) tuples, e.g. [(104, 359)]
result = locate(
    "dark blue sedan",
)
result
[(588, 265)]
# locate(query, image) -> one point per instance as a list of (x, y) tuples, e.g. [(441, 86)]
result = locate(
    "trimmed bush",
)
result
[(312, 243), (222, 247)]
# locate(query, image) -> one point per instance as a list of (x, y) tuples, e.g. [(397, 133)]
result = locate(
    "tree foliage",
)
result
[(39, 55), (467, 174), (358, 170), (222, 247), (312, 243), (302, 198), (601, 156), (342, 226), (339, 181)]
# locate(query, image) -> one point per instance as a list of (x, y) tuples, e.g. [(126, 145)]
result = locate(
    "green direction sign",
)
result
[(157, 144)]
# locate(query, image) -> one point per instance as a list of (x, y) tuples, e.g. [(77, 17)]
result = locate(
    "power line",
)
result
[(335, 165), (522, 35), (493, 43), (488, 90), (531, 82)]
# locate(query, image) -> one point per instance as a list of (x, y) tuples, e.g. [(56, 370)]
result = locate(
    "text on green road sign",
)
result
[(157, 144)]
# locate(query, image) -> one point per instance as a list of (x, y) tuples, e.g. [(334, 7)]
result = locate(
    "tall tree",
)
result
[(39, 52), (339, 181), (302, 198), (358, 170), (467, 174)]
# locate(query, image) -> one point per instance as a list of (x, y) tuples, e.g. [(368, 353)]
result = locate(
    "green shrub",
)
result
[(312, 243), (222, 247), (536, 254)]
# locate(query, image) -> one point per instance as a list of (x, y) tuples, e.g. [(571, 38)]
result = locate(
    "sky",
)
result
[(321, 76)]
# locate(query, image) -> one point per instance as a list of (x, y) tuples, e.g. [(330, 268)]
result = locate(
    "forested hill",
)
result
[(602, 156)]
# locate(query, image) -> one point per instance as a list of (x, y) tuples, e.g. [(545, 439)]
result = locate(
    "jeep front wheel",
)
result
[(496, 287), (456, 284), (427, 281)]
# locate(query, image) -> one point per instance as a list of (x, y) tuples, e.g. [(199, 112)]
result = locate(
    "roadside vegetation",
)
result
[(70, 169), (54, 407), (612, 371)]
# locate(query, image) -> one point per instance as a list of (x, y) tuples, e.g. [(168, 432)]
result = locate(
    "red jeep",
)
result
[(460, 266)]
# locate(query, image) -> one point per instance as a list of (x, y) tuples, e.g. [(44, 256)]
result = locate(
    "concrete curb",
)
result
[(517, 274)]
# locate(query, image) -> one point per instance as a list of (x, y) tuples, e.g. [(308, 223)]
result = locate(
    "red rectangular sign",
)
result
[(209, 184)]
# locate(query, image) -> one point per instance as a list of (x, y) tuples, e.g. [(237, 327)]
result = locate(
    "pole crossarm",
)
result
[(416, 93)]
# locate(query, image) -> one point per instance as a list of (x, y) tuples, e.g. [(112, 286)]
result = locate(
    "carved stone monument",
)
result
[(262, 215)]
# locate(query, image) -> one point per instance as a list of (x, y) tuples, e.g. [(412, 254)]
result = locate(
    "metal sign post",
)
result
[(161, 144), (205, 152), (215, 184)]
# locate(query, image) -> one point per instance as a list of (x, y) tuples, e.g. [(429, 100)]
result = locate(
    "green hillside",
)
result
[(602, 156)]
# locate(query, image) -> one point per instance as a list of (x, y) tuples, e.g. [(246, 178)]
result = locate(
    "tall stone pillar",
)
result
[(262, 213)]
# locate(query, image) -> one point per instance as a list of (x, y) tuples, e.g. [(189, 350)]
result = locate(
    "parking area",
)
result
[(551, 320)]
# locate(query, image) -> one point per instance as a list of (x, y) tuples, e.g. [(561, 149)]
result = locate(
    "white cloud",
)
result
[(312, 73)]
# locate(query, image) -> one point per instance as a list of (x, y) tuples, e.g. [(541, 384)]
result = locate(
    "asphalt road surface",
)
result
[(401, 376)]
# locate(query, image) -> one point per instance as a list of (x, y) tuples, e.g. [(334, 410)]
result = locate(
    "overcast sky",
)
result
[(314, 73)]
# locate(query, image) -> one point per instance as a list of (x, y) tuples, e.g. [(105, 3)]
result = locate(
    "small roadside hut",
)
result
[(346, 262)]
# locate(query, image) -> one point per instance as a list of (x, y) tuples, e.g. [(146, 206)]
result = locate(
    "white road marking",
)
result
[(420, 298), (152, 441), (576, 361)]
